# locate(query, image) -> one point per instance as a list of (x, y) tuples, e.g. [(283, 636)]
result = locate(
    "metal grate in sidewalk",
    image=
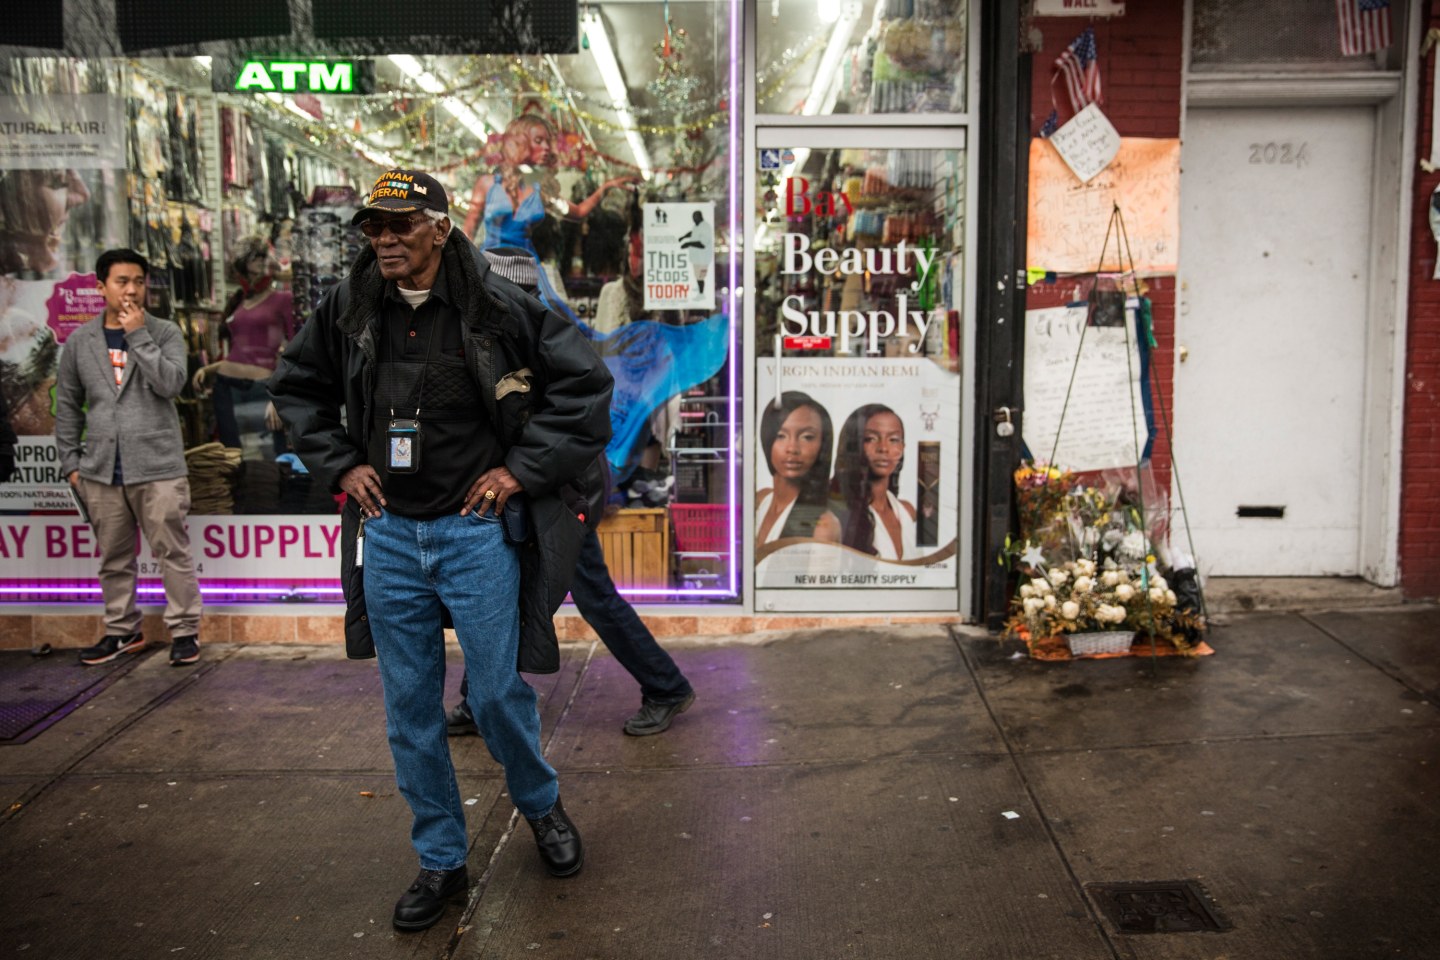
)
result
[(1164, 906), (35, 692)]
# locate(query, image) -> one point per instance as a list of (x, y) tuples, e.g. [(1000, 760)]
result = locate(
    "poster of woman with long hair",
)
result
[(890, 512)]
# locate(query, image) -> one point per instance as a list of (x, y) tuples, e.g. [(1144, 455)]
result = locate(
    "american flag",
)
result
[(1080, 67), (1364, 26)]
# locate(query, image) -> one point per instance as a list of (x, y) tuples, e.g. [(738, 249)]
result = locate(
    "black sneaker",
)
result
[(461, 722), (111, 647), (184, 650), (653, 718)]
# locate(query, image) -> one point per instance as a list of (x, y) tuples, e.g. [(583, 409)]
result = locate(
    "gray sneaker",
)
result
[(184, 650), (111, 647)]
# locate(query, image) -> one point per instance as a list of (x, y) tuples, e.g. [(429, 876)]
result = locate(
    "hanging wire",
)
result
[(1059, 427), (1169, 435)]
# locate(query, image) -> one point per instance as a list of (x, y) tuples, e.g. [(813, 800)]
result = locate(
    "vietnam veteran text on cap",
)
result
[(404, 191)]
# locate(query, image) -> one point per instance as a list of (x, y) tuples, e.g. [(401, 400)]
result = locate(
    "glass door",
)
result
[(859, 431)]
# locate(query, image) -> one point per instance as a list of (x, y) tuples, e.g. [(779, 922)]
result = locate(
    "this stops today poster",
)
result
[(679, 243)]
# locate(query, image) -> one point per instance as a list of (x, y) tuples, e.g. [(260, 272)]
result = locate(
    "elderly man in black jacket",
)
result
[(471, 414)]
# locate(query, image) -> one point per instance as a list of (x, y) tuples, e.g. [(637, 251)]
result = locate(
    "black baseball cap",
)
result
[(404, 191)]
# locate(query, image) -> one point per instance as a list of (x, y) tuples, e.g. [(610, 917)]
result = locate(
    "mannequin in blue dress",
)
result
[(651, 361)]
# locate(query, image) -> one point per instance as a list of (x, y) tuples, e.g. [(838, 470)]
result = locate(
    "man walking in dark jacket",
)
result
[(664, 690), (467, 408)]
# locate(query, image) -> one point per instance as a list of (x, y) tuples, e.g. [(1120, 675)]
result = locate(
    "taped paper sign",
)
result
[(1106, 399), (1067, 219)]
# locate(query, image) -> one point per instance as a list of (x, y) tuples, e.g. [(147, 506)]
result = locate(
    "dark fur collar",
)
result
[(465, 271)]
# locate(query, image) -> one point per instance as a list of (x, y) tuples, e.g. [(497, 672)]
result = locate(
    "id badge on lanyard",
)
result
[(402, 445)]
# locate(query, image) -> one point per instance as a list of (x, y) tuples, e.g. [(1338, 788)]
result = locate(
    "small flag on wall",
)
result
[(1364, 26), (1079, 67)]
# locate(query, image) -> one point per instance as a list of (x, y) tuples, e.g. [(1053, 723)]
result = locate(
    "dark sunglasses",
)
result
[(400, 226)]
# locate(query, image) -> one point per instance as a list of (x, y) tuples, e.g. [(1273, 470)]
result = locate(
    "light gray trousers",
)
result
[(158, 509)]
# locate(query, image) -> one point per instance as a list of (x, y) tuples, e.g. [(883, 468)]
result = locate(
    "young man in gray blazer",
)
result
[(118, 436)]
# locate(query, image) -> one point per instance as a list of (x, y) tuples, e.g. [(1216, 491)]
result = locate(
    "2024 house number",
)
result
[(1272, 152)]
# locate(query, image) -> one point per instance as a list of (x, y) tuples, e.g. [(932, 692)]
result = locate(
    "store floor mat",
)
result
[(35, 692)]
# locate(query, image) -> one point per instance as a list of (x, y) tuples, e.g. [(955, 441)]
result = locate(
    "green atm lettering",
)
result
[(318, 77), (254, 77), (331, 77)]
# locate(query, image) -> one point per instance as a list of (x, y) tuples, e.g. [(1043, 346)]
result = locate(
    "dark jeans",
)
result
[(621, 629), (233, 399)]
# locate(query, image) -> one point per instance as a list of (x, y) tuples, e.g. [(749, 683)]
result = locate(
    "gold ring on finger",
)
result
[(489, 494)]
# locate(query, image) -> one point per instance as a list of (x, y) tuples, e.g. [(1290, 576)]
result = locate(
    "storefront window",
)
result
[(603, 154), (824, 57), (859, 325)]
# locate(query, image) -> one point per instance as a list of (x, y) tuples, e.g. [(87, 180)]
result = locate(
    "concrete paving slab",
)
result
[(1312, 847), (857, 860), (1402, 641), (294, 708), (1273, 675), (305, 708), (28, 768), (256, 866), (96, 720), (879, 693)]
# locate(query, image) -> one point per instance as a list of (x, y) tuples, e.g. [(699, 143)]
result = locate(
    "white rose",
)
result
[(1083, 584), (1042, 587), (1058, 577), (1157, 595), (1110, 578), (1124, 593), (1069, 609), (1033, 606), (1049, 601), (1110, 614), (1170, 597), (1158, 581), (1026, 590)]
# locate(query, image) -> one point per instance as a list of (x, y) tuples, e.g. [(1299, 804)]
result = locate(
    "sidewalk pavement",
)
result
[(911, 792)]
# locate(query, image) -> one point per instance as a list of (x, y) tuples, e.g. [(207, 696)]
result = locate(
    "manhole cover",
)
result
[(1162, 906)]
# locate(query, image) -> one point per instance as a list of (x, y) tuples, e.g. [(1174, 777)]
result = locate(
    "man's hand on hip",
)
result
[(362, 484), (492, 490)]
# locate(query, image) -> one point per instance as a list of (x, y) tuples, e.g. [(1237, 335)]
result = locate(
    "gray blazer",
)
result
[(94, 418)]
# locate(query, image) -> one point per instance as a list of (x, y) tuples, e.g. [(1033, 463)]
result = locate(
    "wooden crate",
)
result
[(637, 546)]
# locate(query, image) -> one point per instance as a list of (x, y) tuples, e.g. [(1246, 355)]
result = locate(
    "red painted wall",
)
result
[(1420, 456), (1140, 65), (1140, 61)]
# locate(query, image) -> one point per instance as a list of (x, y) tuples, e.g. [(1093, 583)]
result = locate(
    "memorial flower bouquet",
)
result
[(1088, 562)]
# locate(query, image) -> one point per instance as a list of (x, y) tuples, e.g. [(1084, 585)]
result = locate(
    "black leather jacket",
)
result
[(553, 423)]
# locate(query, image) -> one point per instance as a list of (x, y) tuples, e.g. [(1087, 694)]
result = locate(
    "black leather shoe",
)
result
[(559, 842), (461, 721), (423, 904), (653, 718)]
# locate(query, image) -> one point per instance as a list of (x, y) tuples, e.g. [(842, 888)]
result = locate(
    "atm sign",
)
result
[(303, 76)]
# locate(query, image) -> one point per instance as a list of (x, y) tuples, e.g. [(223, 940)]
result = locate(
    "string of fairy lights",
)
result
[(410, 125)]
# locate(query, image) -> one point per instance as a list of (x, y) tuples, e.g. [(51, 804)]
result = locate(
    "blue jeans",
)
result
[(411, 568), (622, 630)]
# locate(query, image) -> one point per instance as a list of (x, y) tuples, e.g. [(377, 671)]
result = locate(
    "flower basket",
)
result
[(1093, 643)]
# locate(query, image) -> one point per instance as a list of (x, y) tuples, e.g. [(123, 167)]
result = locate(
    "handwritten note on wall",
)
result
[(1087, 143), (1099, 430), (1067, 219)]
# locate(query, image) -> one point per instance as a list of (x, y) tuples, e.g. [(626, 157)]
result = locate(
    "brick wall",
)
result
[(1420, 457), (1140, 67)]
